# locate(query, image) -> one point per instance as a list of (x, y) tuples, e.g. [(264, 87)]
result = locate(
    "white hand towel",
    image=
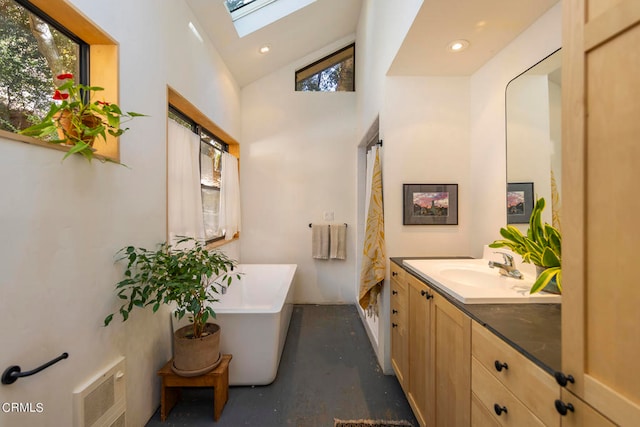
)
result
[(338, 241), (320, 241)]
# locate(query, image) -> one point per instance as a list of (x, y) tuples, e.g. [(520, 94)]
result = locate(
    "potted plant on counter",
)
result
[(541, 246), (188, 276), (74, 120)]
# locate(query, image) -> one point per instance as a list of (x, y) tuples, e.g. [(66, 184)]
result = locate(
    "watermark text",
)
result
[(22, 407)]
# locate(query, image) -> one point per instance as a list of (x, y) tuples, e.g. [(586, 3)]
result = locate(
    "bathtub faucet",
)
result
[(508, 268)]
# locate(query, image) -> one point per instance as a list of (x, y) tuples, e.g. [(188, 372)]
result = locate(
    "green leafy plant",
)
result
[(188, 276), (74, 120), (542, 246)]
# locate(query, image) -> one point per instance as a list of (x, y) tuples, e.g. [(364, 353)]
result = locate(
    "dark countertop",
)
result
[(532, 329)]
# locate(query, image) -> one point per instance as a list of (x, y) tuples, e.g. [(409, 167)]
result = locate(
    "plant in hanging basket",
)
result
[(541, 246), (73, 119), (186, 274)]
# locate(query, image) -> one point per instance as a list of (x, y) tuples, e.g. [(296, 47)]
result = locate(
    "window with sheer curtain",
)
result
[(208, 164)]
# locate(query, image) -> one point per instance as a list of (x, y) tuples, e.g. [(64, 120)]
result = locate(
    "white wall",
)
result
[(382, 27), (62, 223), (488, 143), (298, 161), (426, 138)]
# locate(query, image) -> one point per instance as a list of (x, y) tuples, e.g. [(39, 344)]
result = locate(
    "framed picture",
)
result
[(519, 202), (430, 204)]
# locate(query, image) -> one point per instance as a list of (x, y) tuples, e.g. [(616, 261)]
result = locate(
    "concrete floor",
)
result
[(328, 370)]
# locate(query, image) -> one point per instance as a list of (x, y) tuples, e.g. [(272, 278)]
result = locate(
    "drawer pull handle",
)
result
[(394, 292), (394, 273), (394, 325), (563, 408), (426, 294), (499, 409), (563, 379), (499, 366), (394, 311)]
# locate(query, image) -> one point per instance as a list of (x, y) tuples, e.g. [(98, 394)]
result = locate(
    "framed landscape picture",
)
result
[(519, 202), (430, 204)]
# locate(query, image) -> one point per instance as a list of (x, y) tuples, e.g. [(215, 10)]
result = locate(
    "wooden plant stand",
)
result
[(171, 383)]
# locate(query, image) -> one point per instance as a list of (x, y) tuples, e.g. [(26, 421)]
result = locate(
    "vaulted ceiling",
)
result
[(488, 25)]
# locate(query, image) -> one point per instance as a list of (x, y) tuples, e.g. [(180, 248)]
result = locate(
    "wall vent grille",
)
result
[(101, 402)]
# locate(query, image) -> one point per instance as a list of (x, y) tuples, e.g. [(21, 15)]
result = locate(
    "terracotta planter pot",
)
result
[(66, 130), (196, 356)]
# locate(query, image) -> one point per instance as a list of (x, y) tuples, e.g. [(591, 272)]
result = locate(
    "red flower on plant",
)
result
[(64, 76), (59, 95)]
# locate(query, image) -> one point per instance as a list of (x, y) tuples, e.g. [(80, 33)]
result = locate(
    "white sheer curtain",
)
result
[(229, 220), (184, 204)]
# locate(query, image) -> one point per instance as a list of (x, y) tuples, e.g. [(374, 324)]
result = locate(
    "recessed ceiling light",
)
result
[(458, 45), (264, 49)]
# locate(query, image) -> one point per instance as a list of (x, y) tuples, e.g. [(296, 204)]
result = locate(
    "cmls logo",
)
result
[(22, 407)]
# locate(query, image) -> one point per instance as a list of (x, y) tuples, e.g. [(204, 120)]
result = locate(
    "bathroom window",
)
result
[(34, 48), (333, 73), (211, 148)]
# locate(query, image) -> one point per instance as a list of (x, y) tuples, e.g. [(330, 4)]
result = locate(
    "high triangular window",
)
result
[(333, 73)]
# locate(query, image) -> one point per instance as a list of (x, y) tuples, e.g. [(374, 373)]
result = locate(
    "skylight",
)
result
[(251, 15), (240, 8)]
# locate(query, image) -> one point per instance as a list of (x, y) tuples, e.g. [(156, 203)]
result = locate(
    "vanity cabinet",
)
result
[(399, 324), (514, 390), (439, 374), (510, 390), (600, 128)]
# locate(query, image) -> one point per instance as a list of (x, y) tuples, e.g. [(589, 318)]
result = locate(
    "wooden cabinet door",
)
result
[(450, 384), (419, 349), (399, 325), (601, 201)]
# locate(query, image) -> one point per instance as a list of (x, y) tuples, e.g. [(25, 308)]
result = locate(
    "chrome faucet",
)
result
[(508, 268)]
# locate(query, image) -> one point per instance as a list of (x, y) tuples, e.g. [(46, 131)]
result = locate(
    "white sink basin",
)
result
[(471, 281)]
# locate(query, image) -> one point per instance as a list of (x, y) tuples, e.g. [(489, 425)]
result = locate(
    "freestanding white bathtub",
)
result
[(254, 316)]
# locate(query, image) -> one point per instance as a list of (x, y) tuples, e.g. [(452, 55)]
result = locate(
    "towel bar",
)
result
[(12, 373), (311, 224)]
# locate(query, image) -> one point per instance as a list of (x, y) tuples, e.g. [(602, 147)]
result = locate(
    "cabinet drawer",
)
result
[(491, 392), (480, 415), (399, 293), (582, 414), (397, 272), (533, 386)]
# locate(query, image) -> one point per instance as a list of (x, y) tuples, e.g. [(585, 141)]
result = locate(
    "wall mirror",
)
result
[(533, 128)]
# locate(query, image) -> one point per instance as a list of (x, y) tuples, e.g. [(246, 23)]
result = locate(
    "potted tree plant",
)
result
[(73, 119), (188, 276), (542, 246)]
